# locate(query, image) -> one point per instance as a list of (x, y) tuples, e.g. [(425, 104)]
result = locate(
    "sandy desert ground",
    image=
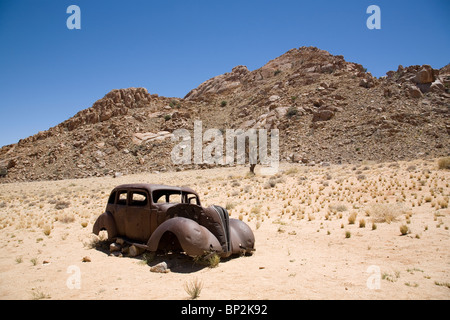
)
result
[(306, 245)]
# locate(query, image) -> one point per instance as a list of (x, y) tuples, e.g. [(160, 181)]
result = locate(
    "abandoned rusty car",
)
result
[(158, 217)]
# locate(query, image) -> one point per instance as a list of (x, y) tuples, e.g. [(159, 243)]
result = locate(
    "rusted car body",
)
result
[(158, 217)]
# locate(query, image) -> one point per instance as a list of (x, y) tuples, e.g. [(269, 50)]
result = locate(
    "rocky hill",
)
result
[(326, 110)]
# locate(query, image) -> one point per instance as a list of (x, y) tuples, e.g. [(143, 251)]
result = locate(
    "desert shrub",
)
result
[(174, 104), (362, 223), (270, 184), (47, 230), (223, 103), (292, 111), (66, 218), (62, 205), (404, 229), (235, 183), (352, 218), (386, 212), (337, 207), (230, 205), (291, 171), (361, 177), (444, 163), (208, 260)]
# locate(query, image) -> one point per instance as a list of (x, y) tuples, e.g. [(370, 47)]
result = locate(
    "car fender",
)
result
[(242, 237), (105, 222), (194, 239)]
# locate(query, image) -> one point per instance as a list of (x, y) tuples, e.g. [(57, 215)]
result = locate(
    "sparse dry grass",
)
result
[(312, 203)]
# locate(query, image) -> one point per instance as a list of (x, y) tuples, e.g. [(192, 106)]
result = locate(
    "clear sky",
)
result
[(48, 73)]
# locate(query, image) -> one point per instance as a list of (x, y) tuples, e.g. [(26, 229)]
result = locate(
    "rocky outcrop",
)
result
[(325, 108), (418, 80), (115, 103), (219, 84)]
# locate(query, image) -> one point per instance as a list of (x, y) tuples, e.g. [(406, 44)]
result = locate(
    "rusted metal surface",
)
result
[(160, 217)]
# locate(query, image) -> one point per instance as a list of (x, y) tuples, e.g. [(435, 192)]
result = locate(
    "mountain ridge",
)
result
[(327, 110)]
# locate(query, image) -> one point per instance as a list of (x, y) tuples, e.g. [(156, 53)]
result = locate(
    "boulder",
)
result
[(274, 98), (134, 251), (113, 247), (323, 115), (414, 92), (160, 268), (425, 75), (366, 83)]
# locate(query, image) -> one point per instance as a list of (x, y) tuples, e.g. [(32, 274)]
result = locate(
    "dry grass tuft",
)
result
[(193, 288)]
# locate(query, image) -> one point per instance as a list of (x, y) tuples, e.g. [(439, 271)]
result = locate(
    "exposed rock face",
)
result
[(326, 109), (115, 103), (220, 84), (140, 138)]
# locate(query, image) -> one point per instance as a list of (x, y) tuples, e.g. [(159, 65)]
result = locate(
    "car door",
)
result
[(137, 224), (120, 211)]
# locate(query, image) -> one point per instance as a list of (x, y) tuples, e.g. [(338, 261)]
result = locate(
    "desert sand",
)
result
[(306, 245)]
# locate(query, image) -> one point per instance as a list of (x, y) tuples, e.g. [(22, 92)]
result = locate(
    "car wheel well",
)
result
[(169, 242)]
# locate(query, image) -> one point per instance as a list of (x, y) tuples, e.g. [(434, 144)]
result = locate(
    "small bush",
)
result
[(292, 111), (223, 103), (174, 104), (62, 205), (347, 234), (270, 184), (404, 230), (230, 205), (338, 207), (444, 163), (362, 223), (213, 261), (47, 230), (167, 117), (209, 260), (386, 212), (352, 218)]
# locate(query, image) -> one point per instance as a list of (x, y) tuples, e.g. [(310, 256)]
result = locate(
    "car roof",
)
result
[(152, 187)]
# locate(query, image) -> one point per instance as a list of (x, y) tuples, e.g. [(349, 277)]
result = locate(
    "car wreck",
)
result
[(159, 217)]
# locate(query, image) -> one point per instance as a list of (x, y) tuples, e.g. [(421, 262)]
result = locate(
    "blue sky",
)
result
[(48, 73)]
